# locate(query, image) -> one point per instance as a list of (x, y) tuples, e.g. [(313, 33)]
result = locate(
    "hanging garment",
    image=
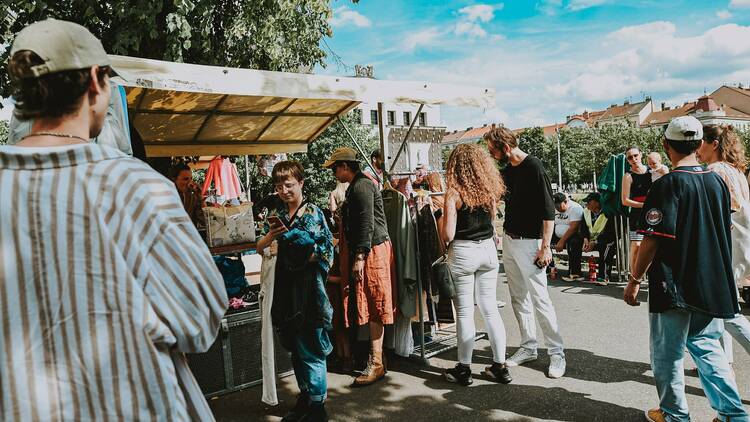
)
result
[(230, 180), (213, 175), (223, 174), (403, 238), (430, 248), (404, 338), (267, 357)]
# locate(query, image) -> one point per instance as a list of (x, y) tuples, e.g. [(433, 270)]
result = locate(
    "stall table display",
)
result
[(233, 361)]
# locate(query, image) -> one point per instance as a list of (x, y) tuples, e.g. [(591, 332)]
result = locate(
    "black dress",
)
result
[(638, 191)]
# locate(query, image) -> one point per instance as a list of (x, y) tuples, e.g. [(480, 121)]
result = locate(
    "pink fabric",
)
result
[(230, 181), (223, 174)]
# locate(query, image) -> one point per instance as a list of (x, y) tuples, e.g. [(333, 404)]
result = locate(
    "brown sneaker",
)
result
[(374, 372), (655, 415)]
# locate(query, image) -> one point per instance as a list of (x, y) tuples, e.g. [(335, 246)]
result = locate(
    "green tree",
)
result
[(318, 181), (280, 35), (3, 132)]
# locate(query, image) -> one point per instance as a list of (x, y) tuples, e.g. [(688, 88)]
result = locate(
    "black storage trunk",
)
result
[(233, 362)]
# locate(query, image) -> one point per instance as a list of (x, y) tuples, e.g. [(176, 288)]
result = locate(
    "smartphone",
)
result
[(274, 221)]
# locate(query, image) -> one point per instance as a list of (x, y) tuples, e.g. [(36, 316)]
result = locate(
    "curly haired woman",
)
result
[(474, 191), (722, 150)]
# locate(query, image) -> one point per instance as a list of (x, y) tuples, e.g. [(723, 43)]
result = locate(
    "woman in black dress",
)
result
[(635, 186)]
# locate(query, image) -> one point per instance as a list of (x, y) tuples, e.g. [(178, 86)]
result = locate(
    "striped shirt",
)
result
[(104, 284)]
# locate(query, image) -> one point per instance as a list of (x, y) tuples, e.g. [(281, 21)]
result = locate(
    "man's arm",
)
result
[(646, 254), (572, 229), (544, 255)]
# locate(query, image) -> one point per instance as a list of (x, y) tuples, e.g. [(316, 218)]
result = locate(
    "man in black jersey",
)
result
[(687, 252), (529, 222)]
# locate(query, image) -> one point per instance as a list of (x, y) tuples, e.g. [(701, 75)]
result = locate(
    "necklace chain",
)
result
[(59, 135)]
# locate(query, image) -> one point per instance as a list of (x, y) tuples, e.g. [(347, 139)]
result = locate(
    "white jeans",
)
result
[(529, 295), (474, 268), (739, 328)]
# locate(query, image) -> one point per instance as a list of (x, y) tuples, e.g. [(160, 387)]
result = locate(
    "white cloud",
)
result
[(471, 29), (472, 18), (549, 7), (576, 5), (723, 14), (343, 16), (480, 12), (739, 4), (421, 38), (541, 82)]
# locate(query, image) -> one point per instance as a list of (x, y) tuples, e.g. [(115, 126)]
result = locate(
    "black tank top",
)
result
[(638, 191), (473, 224)]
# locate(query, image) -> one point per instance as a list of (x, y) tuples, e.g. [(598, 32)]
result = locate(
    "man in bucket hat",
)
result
[(687, 252)]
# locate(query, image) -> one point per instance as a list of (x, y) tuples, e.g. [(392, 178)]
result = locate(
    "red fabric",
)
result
[(375, 293)]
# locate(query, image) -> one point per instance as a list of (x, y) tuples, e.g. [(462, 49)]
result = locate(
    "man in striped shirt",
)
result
[(104, 281)]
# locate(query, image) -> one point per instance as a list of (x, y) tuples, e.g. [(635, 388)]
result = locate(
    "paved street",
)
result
[(608, 376)]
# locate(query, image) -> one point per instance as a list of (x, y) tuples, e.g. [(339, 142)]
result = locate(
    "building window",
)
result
[(407, 118), (391, 118), (422, 119), (373, 117), (357, 113)]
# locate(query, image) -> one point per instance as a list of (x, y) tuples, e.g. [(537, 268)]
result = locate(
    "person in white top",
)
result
[(722, 150), (657, 168), (567, 233)]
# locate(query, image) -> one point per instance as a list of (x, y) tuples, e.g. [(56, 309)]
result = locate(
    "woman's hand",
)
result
[(358, 268)]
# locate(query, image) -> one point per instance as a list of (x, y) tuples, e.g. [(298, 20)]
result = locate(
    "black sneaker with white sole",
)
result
[(498, 372), (460, 374)]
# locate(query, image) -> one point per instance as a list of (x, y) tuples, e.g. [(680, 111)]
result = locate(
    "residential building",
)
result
[(706, 110)]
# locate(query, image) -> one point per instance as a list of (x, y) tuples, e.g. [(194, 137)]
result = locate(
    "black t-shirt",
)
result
[(528, 199), (689, 211)]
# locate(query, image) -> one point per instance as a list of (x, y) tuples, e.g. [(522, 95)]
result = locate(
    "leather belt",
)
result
[(519, 237)]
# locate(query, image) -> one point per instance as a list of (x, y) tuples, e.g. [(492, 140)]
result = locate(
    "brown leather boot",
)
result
[(374, 372)]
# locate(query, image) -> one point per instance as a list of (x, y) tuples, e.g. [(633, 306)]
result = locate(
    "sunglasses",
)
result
[(633, 156)]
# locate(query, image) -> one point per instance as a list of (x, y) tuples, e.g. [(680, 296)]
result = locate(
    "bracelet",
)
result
[(636, 280)]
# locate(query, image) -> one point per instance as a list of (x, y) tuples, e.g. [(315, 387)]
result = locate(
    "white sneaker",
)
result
[(556, 366), (521, 356)]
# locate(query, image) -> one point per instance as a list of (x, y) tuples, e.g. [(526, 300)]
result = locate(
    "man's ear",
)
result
[(95, 83)]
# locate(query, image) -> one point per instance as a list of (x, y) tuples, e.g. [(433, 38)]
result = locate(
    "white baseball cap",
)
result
[(684, 128)]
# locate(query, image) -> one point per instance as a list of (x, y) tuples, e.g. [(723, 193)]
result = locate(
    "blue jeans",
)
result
[(309, 363), (671, 332)]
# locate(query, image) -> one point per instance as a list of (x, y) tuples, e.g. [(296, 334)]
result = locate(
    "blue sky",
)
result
[(548, 59)]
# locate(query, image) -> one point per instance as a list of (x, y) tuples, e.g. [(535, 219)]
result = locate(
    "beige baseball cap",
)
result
[(62, 45), (684, 128), (341, 154)]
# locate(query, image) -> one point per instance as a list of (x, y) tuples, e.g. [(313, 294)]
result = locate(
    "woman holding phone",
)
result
[(301, 310)]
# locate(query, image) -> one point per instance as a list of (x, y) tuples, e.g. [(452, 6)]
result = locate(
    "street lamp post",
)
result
[(559, 162)]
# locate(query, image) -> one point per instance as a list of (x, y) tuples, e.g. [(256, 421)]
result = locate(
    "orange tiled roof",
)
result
[(623, 110), (663, 117)]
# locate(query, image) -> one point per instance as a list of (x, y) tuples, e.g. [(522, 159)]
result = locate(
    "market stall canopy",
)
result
[(186, 109)]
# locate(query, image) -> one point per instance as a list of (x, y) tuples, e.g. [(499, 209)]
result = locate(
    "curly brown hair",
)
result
[(730, 147), (473, 174)]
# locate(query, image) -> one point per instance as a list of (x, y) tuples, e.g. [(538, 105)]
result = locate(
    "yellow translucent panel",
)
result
[(293, 128), (240, 103), (171, 127), (318, 106), (231, 127), (178, 101)]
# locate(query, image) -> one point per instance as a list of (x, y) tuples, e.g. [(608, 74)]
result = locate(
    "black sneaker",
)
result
[(498, 372), (460, 374), (300, 410), (317, 413)]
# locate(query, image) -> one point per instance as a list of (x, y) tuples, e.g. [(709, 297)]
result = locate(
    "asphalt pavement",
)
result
[(608, 375)]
